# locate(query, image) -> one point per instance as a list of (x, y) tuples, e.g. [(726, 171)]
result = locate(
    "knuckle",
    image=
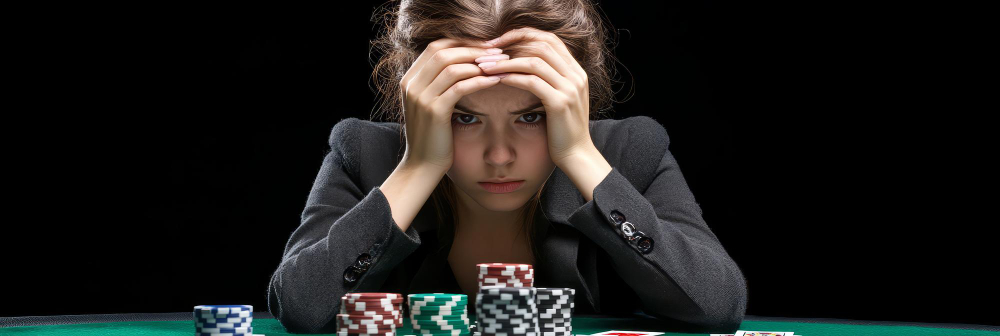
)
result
[(536, 62)]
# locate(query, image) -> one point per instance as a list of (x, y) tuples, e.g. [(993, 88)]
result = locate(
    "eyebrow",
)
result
[(463, 109)]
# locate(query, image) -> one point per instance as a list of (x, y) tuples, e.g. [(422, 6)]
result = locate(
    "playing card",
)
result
[(764, 333), (627, 333)]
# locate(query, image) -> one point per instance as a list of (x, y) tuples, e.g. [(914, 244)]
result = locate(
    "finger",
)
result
[(449, 76), (551, 98), (525, 34), (535, 66), (431, 48), (442, 58), (462, 88)]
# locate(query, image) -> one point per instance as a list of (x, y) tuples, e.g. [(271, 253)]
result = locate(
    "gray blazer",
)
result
[(639, 246)]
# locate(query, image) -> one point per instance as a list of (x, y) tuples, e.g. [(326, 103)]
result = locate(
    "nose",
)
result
[(499, 153)]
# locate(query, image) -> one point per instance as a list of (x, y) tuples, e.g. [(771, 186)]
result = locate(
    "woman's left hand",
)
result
[(554, 76)]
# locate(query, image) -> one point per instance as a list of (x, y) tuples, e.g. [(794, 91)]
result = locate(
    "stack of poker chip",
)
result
[(439, 314), (506, 275), (223, 320), (506, 311), (370, 314), (555, 311)]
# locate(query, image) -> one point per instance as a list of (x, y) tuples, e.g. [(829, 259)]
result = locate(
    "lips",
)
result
[(501, 188)]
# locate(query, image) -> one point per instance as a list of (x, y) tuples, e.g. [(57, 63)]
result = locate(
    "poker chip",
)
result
[(506, 309), (555, 311), (506, 275), (439, 314), (223, 320), (365, 313)]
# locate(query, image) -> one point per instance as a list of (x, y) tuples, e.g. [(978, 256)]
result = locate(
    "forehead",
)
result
[(500, 96)]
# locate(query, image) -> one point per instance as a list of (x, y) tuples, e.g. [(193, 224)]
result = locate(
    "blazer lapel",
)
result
[(561, 242)]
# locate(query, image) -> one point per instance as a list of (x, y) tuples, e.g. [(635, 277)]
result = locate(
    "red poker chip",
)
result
[(369, 306), (393, 301), (501, 271), (369, 317), (366, 295), (504, 277), (500, 280), (351, 311), (350, 330)]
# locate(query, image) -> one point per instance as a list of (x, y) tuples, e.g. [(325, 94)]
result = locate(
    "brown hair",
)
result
[(413, 24)]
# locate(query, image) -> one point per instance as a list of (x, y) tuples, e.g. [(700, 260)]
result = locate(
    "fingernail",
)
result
[(494, 78), (487, 65), (492, 58), (493, 51), (503, 75), (493, 41)]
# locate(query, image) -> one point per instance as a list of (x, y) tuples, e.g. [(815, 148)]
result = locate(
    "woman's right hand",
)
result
[(443, 73)]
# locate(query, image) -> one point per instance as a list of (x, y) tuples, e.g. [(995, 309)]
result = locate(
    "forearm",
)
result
[(407, 190), (586, 169)]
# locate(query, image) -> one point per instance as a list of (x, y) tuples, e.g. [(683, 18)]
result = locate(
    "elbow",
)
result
[(726, 307), (295, 318)]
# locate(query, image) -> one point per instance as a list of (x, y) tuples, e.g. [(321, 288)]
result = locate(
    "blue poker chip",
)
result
[(248, 330), (223, 309), (223, 320)]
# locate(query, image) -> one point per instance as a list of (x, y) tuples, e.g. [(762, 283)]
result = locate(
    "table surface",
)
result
[(181, 324)]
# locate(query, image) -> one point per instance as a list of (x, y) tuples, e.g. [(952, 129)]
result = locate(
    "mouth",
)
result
[(501, 188)]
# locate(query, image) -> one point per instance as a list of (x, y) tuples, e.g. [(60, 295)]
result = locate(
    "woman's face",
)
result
[(499, 146)]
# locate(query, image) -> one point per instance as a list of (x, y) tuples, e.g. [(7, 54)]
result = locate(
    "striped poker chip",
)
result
[(345, 333), (221, 325), (437, 297), (368, 329), (555, 311), (527, 324), (570, 328), (558, 333), (440, 317), (553, 302), (438, 311), (225, 330), (224, 320), (530, 333), (223, 309), (556, 320), (442, 332), (503, 266), (209, 315), (556, 291), (549, 316), (496, 280), (519, 321), (222, 334), (556, 306), (507, 291), (368, 295), (515, 312)]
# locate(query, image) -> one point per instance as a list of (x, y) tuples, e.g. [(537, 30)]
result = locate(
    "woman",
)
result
[(596, 205)]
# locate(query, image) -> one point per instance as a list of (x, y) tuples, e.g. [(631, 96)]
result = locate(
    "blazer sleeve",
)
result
[(680, 271), (339, 225)]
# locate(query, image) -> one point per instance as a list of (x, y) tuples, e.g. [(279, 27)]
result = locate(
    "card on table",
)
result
[(627, 333)]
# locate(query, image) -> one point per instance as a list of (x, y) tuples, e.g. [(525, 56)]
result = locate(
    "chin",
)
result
[(502, 202)]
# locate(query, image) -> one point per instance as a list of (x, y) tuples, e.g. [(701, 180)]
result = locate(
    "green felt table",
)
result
[(581, 326)]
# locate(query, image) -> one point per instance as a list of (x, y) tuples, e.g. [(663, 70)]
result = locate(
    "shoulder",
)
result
[(358, 143), (633, 145)]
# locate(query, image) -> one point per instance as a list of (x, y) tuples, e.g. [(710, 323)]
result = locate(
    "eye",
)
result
[(466, 121)]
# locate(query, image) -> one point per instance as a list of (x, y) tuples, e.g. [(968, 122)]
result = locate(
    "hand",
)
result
[(554, 76), (443, 73)]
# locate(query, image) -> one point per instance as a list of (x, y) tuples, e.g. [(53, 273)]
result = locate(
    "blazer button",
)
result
[(363, 261), (645, 244), (351, 275), (617, 217), (628, 229)]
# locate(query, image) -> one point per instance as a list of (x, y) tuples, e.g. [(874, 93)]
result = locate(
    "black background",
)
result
[(164, 155)]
